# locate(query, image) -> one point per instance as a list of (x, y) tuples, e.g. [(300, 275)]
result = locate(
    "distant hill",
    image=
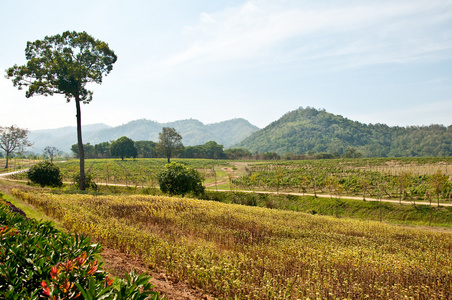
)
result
[(193, 133), (310, 130)]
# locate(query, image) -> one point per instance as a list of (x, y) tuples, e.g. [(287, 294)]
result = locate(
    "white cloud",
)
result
[(377, 32)]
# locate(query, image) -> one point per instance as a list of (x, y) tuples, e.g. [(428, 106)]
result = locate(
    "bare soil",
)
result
[(118, 263)]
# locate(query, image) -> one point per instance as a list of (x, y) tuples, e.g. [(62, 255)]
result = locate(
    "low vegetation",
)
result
[(37, 261), (259, 253)]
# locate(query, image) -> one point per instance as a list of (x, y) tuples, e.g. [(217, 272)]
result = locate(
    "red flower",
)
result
[(81, 259), (93, 268), (68, 266), (108, 281), (46, 289), (66, 286), (54, 271)]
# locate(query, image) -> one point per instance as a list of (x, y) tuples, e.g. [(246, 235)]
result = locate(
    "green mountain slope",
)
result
[(311, 130)]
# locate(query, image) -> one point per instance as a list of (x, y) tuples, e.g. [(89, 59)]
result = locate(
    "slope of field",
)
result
[(257, 253)]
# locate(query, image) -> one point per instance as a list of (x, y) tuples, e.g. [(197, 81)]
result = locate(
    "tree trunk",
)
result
[(7, 158), (81, 152)]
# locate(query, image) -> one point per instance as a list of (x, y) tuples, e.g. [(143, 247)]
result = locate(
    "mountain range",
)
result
[(193, 132), (304, 130)]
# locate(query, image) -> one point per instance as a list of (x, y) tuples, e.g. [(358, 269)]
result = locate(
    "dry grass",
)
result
[(256, 253)]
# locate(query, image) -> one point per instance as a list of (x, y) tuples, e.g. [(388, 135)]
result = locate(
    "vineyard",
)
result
[(132, 173), (404, 179), (258, 253)]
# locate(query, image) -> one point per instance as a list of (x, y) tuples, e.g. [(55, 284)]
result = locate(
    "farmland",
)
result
[(252, 252), (257, 253), (412, 179)]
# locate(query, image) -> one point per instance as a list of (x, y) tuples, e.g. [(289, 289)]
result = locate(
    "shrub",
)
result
[(178, 179), (89, 181), (45, 174)]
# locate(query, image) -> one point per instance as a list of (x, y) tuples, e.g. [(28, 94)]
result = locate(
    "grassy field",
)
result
[(259, 253)]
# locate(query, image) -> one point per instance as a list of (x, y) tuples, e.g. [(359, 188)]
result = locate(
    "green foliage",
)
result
[(88, 150), (102, 150), (169, 144), (210, 150), (64, 64), (90, 184), (37, 261), (307, 129), (178, 179), (146, 149), (123, 147), (344, 208), (45, 174), (237, 153), (382, 177)]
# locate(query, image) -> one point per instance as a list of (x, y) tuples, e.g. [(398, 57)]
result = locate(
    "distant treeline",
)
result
[(148, 149)]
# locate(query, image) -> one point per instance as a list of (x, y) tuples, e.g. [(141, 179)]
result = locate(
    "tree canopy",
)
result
[(209, 150), (169, 144), (64, 64), (123, 147)]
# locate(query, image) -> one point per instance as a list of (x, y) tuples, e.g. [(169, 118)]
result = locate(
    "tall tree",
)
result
[(64, 64), (123, 147), (13, 138), (169, 144)]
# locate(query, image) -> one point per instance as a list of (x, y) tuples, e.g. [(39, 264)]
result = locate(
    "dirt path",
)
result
[(117, 263)]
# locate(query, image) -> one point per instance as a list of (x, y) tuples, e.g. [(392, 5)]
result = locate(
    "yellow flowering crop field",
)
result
[(258, 253)]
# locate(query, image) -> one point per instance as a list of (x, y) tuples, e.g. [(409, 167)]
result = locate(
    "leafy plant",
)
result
[(45, 174), (90, 184), (38, 261), (178, 179)]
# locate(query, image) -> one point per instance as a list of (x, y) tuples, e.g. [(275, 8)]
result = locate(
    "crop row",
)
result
[(426, 182), (256, 253)]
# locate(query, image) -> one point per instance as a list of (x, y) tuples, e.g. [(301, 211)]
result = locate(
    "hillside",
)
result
[(193, 133), (311, 130)]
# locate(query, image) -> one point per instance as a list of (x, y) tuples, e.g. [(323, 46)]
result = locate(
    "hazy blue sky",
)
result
[(386, 61)]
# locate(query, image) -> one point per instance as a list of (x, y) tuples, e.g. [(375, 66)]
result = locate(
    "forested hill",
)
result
[(193, 133), (310, 130)]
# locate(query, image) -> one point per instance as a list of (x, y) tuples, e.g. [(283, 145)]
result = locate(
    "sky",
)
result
[(386, 61)]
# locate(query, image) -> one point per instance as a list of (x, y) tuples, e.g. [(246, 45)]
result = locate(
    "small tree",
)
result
[(13, 138), (169, 144), (438, 183), (45, 174), (51, 152), (178, 179), (123, 147)]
